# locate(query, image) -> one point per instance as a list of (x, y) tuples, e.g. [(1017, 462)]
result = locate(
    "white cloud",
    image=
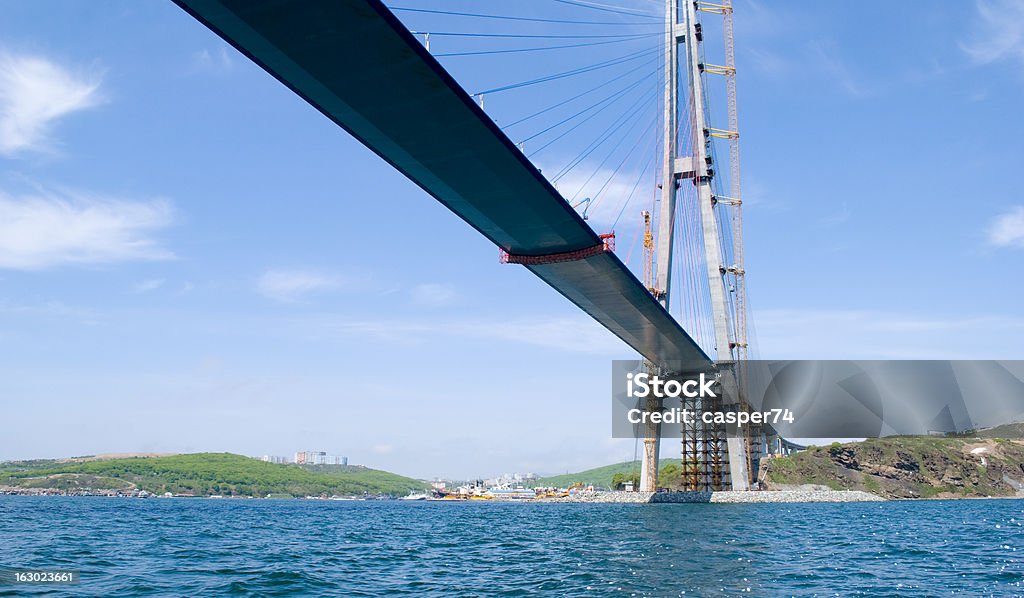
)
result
[(862, 334), (603, 211), (826, 56), (998, 32), (217, 61), (837, 218), (765, 61), (55, 228), (579, 334), (148, 285), (764, 20), (49, 308), (1008, 229), (34, 93), (757, 194), (433, 295), (289, 286)]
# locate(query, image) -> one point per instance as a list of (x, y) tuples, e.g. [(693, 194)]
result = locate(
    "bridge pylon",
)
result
[(713, 457), (666, 218)]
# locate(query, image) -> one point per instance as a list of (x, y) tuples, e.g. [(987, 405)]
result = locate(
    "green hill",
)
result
[(1014, 431), (602, 476), (203, 474), (907, 467), (965, 466)]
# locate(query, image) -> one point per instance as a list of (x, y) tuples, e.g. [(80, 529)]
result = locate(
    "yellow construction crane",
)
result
[(649, 254)]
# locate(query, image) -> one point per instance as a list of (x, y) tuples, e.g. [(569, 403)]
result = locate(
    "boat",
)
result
[(518, 493)]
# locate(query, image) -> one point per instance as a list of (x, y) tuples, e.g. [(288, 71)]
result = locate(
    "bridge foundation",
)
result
[(652, 441)]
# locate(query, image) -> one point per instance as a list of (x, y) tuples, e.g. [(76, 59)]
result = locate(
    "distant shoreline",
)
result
[(600, 497)]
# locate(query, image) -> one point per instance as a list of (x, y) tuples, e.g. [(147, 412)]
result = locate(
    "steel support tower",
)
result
[(666, 224), (703, 446)]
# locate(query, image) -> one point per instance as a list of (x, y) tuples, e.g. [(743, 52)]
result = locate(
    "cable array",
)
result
[(580, 110), (593, 122)]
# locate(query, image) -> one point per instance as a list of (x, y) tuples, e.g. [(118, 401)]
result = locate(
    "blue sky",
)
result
[(191, 258)]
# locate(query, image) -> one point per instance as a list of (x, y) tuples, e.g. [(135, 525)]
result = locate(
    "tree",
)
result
[(670, 476), (619, 480)]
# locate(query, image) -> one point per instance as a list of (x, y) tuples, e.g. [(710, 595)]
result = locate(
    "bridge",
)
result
[(355, 62)]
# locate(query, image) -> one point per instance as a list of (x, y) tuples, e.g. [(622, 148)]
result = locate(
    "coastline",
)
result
[(595, 497), (723, 497)]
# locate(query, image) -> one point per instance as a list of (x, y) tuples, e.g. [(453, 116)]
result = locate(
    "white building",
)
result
[(319, 458)]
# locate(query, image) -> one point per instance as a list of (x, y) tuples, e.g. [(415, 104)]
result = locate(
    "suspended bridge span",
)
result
[(359, 66)]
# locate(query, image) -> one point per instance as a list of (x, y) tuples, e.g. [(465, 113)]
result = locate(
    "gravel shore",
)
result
[(767, 496)]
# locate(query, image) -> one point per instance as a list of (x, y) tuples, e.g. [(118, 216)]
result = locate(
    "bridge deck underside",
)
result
[(359, 66)]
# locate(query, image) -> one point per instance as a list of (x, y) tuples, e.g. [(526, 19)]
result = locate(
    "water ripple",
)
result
[(277, 548)]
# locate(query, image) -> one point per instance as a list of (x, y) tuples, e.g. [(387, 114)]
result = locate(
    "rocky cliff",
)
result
[(907, 467)]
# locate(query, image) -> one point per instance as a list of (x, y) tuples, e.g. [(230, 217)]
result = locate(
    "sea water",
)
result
[(203, 547)]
